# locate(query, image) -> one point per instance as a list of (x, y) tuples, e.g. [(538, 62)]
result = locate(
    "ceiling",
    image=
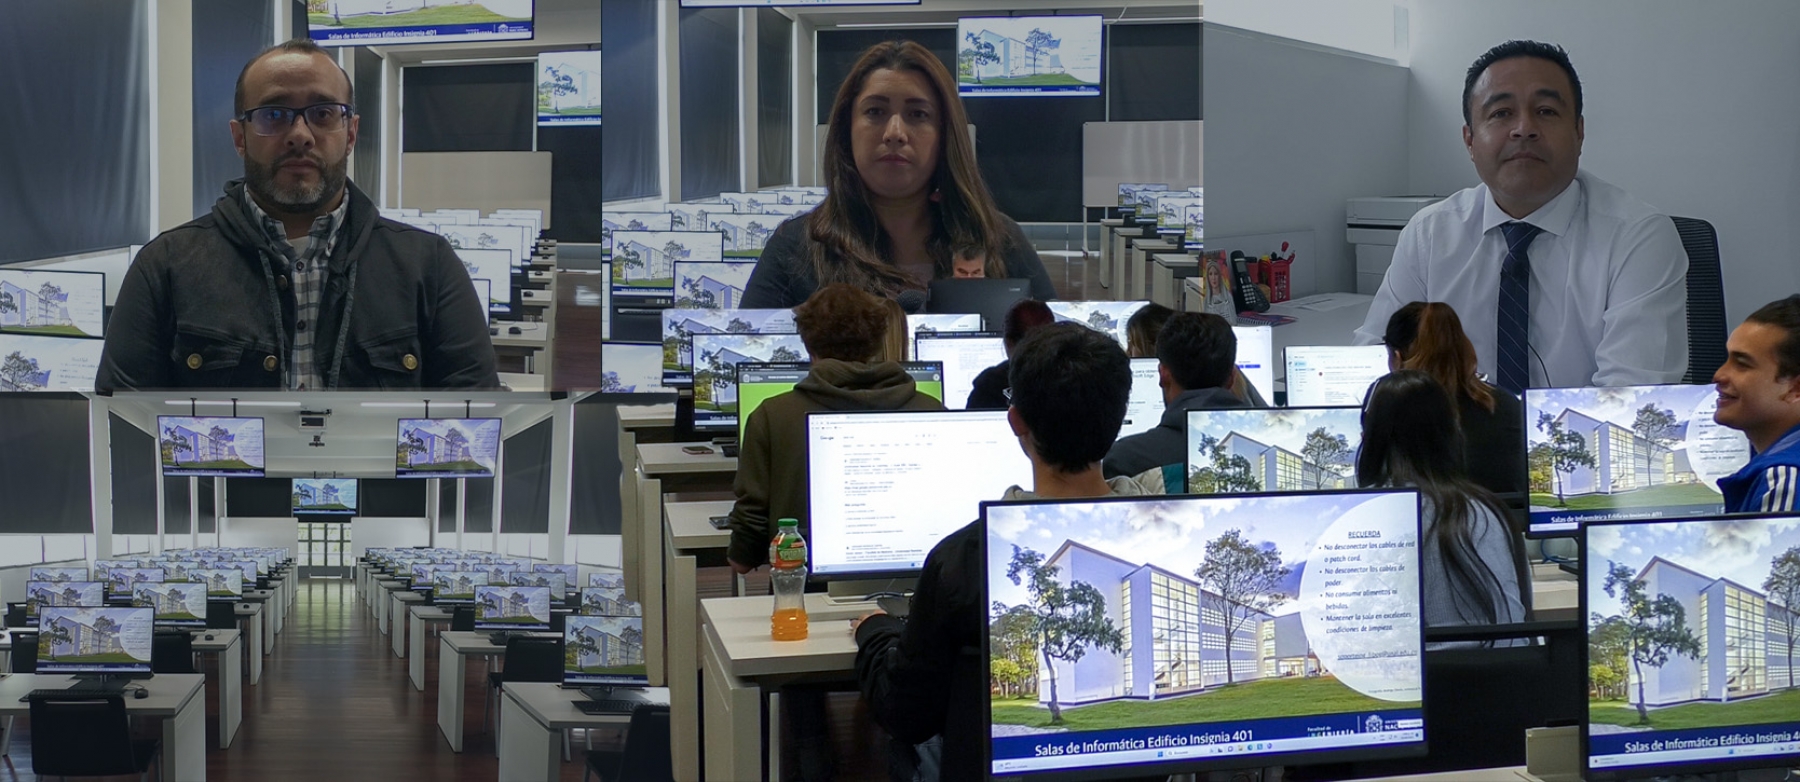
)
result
[(358, 441)]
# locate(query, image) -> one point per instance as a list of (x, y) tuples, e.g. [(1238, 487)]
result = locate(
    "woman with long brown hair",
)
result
[(902, 189), (1428, 336)]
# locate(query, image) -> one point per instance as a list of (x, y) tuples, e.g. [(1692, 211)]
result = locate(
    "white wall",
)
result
[(1690, 107), (13, 577), (247, 532), (599, 550), (365, 533), (1373, 27), (1294, 130)]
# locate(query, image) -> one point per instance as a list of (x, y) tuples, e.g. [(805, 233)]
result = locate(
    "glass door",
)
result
[(324, 549)]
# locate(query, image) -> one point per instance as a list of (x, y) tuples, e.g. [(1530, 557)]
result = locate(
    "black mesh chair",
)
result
[(647, 756), (172, 651), (15, 615), (462, 619), (24, 652), (528, 659), (559, 619), (1705, 299), (87, 736), (221, 615)]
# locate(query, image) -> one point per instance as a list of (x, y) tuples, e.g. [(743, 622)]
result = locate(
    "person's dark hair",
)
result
[(1142, 328), (1783, 314), (1200, 350), (1429, 337), (1070, 384), (849, 244), (1411, 438), (1024, 317), (292, 46), (842, 322), (1511, 49)]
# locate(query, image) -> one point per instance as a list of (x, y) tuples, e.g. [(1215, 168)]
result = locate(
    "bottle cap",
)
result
[(788, 523)]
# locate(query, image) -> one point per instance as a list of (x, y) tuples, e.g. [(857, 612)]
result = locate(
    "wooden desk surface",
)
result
[(667, 458), (689, 522), (554, 707)]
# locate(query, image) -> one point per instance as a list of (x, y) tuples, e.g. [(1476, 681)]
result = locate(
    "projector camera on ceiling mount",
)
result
[(313, 420)]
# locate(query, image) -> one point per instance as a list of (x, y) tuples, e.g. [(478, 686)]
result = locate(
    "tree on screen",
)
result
[(1538, 469), (557, 85), (675, 251), (739, 326), (412, 444), (785, 353), (1039, 44), (1568, 451), (19, 371), (1065, 619), (609, 383), (55, 634), (628, 257), (978, 54), (1327, 451), (1609, 650), (456, 443), (1655, 629), (1240, 578), (1012, 645), (7, 304), (1226, 473), (1658, 428), (1783, 588)]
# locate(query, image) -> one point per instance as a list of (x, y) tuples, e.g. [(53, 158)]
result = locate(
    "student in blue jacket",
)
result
[(1759, 395)]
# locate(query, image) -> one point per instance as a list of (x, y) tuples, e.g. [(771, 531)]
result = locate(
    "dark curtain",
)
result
[(837, 50), (469, 108), (1155, 72), (391, 497), (478, 496), (594, 499), (368, 105), (133, 477), (446, 510), (775, 98), (208, 511), (178, 510), (75, 165), (709, 105), (577, 186), (630, 147), (227, 33), (525, 495), (259, 498), (46, 464)]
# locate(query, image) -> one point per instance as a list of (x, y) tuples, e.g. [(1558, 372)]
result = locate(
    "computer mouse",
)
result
[(140, 693), (515, 330), (209, 636), (494, 330)]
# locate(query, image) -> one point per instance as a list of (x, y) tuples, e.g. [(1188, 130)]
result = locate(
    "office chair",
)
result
[(462, 619), (172, 651), (24, 652), (1705, 300), (15, 615), (87, 736), (221, 615), (528, 659), (559, 619), (647, 756)]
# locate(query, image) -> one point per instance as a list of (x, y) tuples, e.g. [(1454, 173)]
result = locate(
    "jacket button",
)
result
[(411, 362), (281, 282), (193, 361), (270, 363)]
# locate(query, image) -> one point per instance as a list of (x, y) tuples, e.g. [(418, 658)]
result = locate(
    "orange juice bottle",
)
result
[(787, 563)]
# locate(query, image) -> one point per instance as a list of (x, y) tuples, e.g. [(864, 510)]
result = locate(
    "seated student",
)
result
[(896, 345), (1143, 326), (843, 328), (1759, 395), (969, 263), (1197, 358), (1428, 336), (922, 677), (1473, 562), (989, 391)]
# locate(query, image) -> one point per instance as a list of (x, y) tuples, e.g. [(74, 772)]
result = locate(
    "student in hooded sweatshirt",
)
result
[(844, 328), (1196, 362), (1759, 395), (922, 676)]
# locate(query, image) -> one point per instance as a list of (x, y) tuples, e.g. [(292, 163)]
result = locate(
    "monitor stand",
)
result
[(848, 592), (601, 693), (99, 684), (728, 446)]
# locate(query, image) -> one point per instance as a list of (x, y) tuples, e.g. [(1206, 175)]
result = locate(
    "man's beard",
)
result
[(298, 199)]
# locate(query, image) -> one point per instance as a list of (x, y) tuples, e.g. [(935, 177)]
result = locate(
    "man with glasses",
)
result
[(293, 281)]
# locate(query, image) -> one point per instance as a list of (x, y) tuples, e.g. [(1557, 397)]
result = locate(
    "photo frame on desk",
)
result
[(1217, 282), (1303, 275)]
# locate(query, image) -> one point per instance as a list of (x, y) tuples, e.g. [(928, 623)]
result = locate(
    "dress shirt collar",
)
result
[(1553, 217)]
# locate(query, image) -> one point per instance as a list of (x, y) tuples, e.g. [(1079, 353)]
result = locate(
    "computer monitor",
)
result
[(101, 566), (495, 267), (964, 356), (1277, 449), (224, 584), (177, 604), (499, 572), (635, 221), (1145, 408), (644, 261), (884, 487), (1213, 632), (607, 578), (707, 285), (88, 641), (1169, 214), (1128, 192), (604, 650), (1332, 374), (632, 368), (456, 586), (1691, 624), (58, 574), (608, 601), (556, 582), (51, 363), (180, 570), (745, 232), (1256, 357), (758, 382), (210, 446), (245, 567), (680, 325), (517, 241), (41, 594), (421, 575), (1107, 317), (512, 608), (571, 573), (1626, 452), (989, 298), (124, 580), (716, 357), (926, 325), (1193, 223)]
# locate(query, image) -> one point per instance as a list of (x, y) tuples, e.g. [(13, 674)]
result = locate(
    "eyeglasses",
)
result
[(1007, 393), (277, 120)]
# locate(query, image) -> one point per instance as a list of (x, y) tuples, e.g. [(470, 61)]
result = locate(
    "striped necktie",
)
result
[(1510, 366)]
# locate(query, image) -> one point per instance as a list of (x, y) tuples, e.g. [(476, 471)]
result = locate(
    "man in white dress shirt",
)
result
[(1560, 278)]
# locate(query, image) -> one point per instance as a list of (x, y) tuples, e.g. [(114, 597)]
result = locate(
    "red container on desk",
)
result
[(1278, 280)]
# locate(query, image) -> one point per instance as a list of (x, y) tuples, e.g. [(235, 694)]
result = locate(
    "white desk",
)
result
[(402, 600), (687, 534), (384, 602), (417, 617), (662, 467), (525, 383), (250, 614), (632, 423), (1108, 226), (741, 663), (646, 416), (260, 598), (1167, 271), (533, 716), (226, 645), (1137, 266), (454, 650), (174, 697)]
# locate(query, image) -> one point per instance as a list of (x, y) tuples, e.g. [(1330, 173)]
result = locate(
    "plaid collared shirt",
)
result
[(307, 272)]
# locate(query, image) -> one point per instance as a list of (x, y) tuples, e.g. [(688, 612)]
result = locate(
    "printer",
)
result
[(1372, 226)]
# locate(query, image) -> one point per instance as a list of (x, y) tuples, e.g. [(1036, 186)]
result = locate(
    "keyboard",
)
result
[(592, 708), (70, 693), (501, 637)]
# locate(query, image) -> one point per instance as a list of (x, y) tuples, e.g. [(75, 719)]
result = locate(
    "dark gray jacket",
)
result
[(198, 307), (1167, 442), (784, 274)]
